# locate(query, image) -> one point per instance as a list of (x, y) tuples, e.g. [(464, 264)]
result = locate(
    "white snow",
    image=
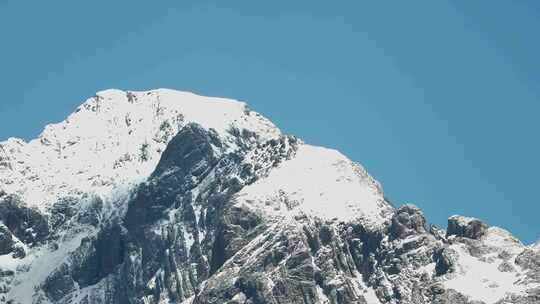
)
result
[(320, 182), (115, 138), (482, 280), (371, 297), (320, 294), (536, 246), (503, 240), (188, 300)]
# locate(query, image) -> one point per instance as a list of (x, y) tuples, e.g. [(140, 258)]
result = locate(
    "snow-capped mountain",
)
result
[(170, 197)]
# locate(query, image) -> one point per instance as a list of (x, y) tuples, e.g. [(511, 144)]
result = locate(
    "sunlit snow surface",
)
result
[(480, 278), (318, 182)]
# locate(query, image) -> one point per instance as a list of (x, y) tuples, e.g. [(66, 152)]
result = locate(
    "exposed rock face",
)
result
[(445, 259), (466, 227), (232, 212), (27, 224), (409, 220), (6, 240)]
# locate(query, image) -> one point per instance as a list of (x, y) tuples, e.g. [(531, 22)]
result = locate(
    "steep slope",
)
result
[(170, 197)]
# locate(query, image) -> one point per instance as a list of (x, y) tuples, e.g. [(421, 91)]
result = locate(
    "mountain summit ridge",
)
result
[(103, 131), (170, 197)]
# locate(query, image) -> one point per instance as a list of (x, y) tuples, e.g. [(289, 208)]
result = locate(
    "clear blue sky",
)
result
[(439, 100)]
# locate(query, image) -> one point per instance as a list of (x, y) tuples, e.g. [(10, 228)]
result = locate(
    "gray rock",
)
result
[(506, 267), (466, 227), (529, 259), (407, 220), (18, 252), (445, 259), (6, 240), (27, 224), (59, 284)]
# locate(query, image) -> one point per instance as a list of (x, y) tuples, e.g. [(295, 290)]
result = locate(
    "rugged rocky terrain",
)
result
[(170, 197)]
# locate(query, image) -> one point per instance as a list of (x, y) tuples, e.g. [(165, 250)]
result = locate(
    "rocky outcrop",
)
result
[(445, 260), (6, 240), (466, 227), (408, 220), (27, 224), (529, 260), (283, 265)]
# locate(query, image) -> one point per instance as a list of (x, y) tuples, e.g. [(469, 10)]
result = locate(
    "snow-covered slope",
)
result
[(113, 140), (318, 182), (170, 197)]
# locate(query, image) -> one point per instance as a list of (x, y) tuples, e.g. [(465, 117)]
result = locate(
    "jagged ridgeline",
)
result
[(169, 197)]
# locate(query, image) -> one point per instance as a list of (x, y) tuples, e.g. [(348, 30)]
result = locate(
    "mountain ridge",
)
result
[(170, 197)]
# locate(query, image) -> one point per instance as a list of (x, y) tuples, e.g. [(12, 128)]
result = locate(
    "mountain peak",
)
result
[(114, 138)]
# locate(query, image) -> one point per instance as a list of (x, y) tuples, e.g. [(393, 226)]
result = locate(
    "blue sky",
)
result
[(439, 100)]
